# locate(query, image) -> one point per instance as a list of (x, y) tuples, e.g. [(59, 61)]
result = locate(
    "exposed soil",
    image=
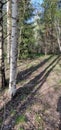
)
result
[(37, 104)]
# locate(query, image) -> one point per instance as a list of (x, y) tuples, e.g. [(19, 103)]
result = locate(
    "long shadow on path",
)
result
[(26, 73), (20, 104), (23, 75)]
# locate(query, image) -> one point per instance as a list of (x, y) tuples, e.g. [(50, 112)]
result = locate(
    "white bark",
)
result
[(58, 32), (8, 29), (14, 46)]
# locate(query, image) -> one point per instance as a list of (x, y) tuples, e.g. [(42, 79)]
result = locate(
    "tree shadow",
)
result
[(26, 73), (59, 110), (23, 75), (25, 95)]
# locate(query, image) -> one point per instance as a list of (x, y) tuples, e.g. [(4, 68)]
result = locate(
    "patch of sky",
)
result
[(37, 6), (36, 3)]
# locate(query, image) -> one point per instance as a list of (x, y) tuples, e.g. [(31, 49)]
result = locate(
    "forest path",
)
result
[(37, 105)]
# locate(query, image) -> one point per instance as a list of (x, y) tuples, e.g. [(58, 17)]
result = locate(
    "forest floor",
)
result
[(37, 104)]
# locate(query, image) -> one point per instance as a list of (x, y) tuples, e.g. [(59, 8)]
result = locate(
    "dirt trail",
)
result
[(37, 105)]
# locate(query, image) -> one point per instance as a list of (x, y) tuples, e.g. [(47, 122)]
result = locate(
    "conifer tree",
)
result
[(26, 39)]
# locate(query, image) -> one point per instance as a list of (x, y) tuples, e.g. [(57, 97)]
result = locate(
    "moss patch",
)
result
[(20, 119)]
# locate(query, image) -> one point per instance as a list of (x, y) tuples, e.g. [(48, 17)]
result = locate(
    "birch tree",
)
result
[(14, 46), (58, 24), (58, 32), (2, 67), (8, 29)]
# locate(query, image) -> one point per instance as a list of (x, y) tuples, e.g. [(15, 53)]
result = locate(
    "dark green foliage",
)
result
[(50, 14), (26, 39)]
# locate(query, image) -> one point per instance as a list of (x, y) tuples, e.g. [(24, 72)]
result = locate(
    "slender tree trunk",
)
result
[(19, 45), (2, 66), (58, 32), (58, 37), (14, 47), (45, 39), (8, 29), (45, 50)]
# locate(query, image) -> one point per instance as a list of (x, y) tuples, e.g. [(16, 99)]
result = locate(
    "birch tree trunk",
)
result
[(2, 67), (8, 29), (58, 32), (14, 47)]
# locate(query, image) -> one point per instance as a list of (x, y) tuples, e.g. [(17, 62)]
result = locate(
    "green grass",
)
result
[(40, 122), (13, 112), (0, 120), (36, 55), (39, 55), (20, 119), (39, 119), (20, 129), (60, 81), (23, 97), (32, 55)]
